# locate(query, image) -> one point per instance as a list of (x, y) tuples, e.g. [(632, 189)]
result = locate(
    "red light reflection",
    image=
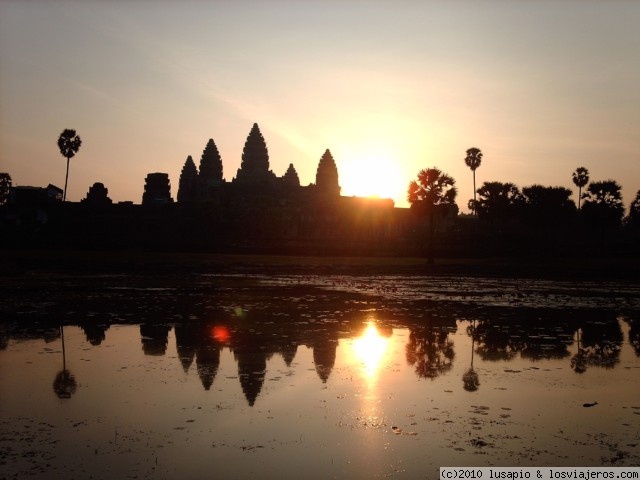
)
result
[(220, 333)]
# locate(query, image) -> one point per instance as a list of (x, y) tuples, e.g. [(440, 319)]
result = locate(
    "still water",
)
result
[(314, 376)]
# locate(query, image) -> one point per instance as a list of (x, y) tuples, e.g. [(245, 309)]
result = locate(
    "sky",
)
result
[(390, 87)]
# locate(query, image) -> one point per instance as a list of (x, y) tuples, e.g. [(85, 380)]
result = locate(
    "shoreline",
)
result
[(72, 262)]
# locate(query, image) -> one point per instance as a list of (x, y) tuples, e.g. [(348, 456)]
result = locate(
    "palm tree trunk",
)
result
[(66, 178), (474, 191), (579, 196), (64, 357)]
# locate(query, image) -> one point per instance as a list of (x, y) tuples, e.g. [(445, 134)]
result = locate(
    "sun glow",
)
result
[(371, 174), (369, 348)]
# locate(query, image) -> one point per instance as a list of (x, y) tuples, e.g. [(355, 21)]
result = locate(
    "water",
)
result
[(314, 376)]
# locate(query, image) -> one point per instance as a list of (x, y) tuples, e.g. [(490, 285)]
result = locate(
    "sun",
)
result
[(369, 348), (371, 174)]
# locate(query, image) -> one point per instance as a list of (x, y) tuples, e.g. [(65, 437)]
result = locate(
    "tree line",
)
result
[(500, 206), (499, 210)]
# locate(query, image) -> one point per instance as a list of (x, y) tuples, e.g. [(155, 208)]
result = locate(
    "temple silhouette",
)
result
[(259, 212), (256, 211)]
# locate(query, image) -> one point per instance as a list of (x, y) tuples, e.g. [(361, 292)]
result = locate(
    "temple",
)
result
[(256, 211), (259, 210), (253, 178)]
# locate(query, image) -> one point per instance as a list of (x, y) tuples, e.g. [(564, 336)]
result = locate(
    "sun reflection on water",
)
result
[(369, 348)]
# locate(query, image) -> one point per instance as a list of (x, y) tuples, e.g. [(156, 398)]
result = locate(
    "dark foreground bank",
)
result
[(24, 262)]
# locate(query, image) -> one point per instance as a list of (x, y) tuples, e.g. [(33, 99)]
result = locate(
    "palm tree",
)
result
[(580, 179), (68, 143), (603, 205), (433, 192), (499, 202), (473, 161)]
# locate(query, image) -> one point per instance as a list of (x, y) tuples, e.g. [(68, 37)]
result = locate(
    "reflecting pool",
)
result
[(321, 377)]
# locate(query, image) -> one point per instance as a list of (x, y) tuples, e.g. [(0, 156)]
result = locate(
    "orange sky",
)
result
[(388, 87)]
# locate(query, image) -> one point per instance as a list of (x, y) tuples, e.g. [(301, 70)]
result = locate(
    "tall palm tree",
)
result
[(433, 192), (473, 161), (580, 179), (68, 143)]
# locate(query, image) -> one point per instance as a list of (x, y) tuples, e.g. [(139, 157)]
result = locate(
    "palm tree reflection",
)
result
[(65, 384), (599, 344), (470, 379), (579, 360), (634, 334)]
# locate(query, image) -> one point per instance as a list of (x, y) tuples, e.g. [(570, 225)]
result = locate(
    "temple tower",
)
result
[(327, 176), (211, 165), (255, 160), (188, 185), (290, 178)]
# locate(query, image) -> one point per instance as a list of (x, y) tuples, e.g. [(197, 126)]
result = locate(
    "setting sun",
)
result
[(372, 174)]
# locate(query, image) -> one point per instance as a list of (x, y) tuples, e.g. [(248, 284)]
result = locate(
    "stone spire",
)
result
[(210, 165), (188, 185), (327, 175), (291, 178), (255, 159)]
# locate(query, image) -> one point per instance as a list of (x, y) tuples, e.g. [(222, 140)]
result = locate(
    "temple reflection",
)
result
[(250, 353), (583, 339), (187, 340), (155, 338), (207, 360)]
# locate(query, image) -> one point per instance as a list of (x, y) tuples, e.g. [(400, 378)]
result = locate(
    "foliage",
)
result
[(69, 144), (430, 351), (432, 190), (5, 187), (547, 206), (580, 179), (432, 195), (499, 202), (473, 158), (473, 161), (634, 211), (603, 204), (65, 384)]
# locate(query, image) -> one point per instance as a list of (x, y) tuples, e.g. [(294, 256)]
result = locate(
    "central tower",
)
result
[(255, 160)]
